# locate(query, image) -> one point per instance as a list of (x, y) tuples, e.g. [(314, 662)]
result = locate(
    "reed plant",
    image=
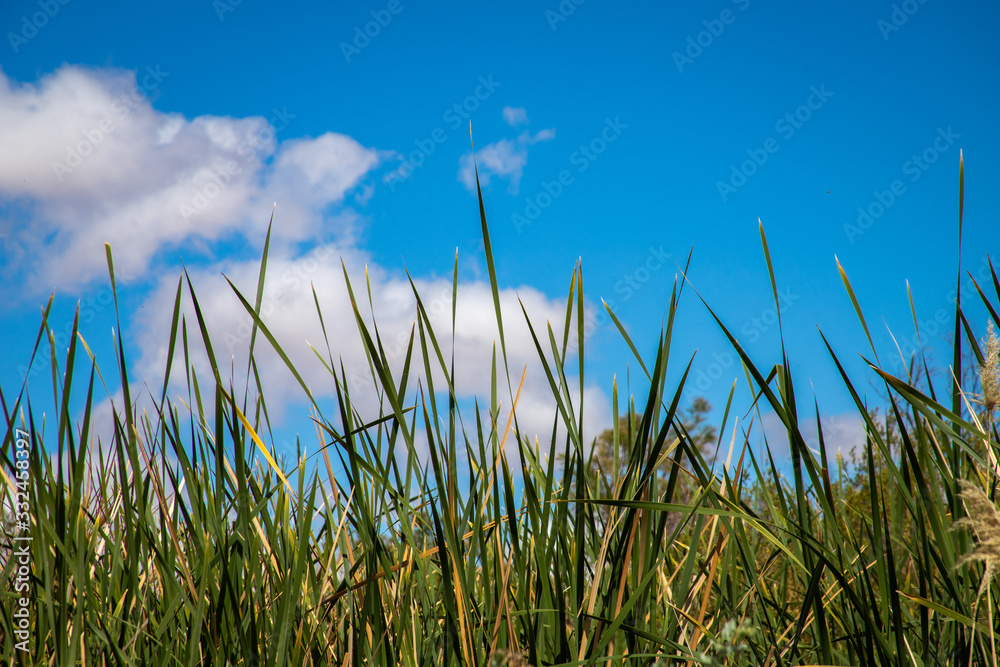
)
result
[(430, 534)]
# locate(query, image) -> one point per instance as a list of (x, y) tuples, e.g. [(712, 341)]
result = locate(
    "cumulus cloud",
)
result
[(515, 116), (505, 158), (88, 160), (541, 135)]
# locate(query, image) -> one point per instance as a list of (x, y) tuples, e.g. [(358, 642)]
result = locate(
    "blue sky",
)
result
[(620, 134)]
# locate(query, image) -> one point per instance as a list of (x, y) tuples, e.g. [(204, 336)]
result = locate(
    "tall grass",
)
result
[(182, 542)]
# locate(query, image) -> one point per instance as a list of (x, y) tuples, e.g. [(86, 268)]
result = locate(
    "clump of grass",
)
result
[(183, 542)]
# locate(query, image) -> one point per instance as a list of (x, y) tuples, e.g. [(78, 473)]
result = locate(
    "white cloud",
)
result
[(138, 187), (88, 160), (515, 116), (504, 158), (542, 135)]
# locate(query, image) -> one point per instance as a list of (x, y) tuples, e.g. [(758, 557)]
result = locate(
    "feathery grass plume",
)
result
[(989, 376), (984, 519)]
